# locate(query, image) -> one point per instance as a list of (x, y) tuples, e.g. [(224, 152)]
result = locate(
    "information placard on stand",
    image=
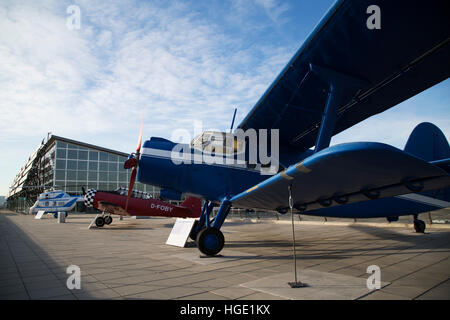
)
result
[(180, 232)]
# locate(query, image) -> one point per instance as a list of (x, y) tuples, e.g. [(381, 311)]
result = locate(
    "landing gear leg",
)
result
[(210, 240), (203, 221), (419, 225)]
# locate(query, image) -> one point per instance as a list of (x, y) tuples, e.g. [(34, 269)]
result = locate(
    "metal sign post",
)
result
[(296, 284)]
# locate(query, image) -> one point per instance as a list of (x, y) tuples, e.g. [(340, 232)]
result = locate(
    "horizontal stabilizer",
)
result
[(343, 174)]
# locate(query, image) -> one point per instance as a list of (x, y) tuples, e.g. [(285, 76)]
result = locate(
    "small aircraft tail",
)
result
[(428, 143), (193, 204)]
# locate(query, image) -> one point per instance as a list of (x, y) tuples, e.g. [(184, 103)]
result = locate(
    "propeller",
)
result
[(133, 163)]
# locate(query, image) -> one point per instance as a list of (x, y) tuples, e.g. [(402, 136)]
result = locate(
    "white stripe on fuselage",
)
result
[(198, 158), (425, 200)]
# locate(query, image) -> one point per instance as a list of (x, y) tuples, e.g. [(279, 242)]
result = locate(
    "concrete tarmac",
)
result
[(130, 260)]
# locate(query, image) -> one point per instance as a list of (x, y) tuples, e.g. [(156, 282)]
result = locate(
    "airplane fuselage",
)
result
[(198, 175)]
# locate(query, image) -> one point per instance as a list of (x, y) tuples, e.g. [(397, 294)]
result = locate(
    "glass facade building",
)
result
[(78, 165), (68, 165)]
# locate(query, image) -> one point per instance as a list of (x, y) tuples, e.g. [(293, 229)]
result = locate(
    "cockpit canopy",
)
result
[(219, 143), (51, 194), (134, 194)]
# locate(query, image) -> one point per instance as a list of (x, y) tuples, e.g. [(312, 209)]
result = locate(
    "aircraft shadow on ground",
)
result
[(405, 242), (128, 227), (424, 241)]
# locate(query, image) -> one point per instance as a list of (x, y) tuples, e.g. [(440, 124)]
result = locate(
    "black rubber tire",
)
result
[(100, 222), (108, 220), (419, 226), (210, 241)]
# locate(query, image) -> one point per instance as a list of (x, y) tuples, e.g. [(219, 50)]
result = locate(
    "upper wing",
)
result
[(343, 174), (409, 54)]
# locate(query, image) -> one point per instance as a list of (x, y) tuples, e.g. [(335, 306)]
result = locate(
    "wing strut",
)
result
[(338, 83)]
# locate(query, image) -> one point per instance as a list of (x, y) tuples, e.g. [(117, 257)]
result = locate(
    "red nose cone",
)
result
[(130, 163)]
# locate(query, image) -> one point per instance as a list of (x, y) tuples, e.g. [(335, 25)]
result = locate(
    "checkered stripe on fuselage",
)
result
[(89, 197)]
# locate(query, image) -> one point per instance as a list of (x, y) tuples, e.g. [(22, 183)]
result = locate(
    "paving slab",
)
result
[(130, 260), (225, 255), (320, 285)]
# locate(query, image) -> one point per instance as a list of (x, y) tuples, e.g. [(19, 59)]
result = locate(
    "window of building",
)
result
[(112, 176), (60, 174), (61, 153), (103, 156), (112, 158), (61, 164), (92, 176), (112, 186), (112, 166), (59, 183), (103, 186), (123, 177), (102, 176), (71, 164), (93, 166), (103, 166), (82, 165), (71, 175), (93, 155), (72, 154), (92, 185), (82, 155), (60, 144), (82, 175)]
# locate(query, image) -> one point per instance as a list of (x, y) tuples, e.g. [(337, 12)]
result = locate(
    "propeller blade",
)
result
[(130, 187), (138, 148), (134, 163)]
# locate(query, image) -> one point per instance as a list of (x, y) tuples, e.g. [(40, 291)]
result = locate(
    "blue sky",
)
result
[(179, 61)]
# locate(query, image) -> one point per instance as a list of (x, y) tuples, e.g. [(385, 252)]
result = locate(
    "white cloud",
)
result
[(273, 8), (91, 84)]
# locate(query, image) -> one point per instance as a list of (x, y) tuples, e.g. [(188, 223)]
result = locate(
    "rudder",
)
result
[(193, 204), (428, 143)]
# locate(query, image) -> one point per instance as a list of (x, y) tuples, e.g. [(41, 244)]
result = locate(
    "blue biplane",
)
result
[(344, 72)]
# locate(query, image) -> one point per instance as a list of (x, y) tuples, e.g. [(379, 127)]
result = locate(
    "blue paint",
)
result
[(50, 202), (211, 241)]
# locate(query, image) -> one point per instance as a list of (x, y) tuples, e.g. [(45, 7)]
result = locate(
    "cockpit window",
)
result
[(134, 194), (218, 143), (47, 195)]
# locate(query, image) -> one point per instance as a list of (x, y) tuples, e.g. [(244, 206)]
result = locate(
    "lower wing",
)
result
[(345, 174)]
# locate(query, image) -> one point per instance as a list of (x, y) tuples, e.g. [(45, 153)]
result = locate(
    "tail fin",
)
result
[(194, 204), (428, 143)]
